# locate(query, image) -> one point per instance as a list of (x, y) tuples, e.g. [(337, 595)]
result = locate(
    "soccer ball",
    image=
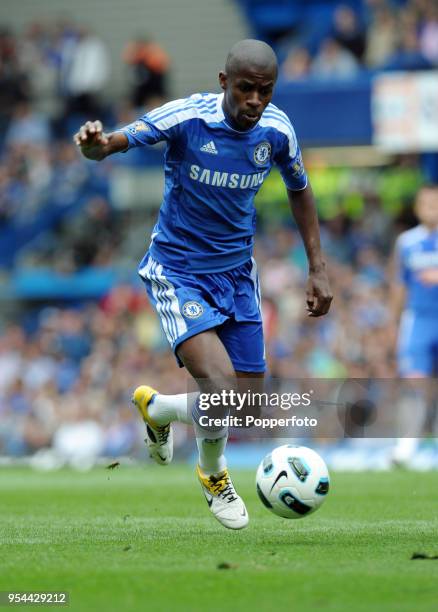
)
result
[(292, 481)]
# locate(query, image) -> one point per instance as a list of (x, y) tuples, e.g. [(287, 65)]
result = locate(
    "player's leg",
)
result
[(207, 360), (209, 363), (190, 308), (415, 359), (412, 408), (159, 436), (240, 338), (244, 345), (204, 358), (184, 312), (242, 334), (254, 383), (164, 409)]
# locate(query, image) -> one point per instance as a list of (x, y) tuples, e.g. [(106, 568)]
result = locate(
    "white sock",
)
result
[(404, 449), (412, 410), (165, 409), (211, 441), (211, 446)]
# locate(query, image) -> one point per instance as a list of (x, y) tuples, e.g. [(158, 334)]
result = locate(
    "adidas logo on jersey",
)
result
[(210, 147)]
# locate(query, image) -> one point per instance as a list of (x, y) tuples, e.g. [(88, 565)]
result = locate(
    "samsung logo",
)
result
[(226, 179)]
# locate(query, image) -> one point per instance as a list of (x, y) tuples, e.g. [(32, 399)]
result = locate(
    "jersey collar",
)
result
[(222, 118), (427, 231)]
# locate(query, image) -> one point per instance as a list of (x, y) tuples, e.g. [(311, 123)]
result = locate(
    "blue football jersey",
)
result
[(417, 255), (207, 219)]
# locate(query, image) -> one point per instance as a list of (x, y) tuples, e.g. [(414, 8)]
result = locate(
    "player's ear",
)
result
[(223, 79)]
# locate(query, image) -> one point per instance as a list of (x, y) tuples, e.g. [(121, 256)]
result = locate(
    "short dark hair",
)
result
[(250, 52)]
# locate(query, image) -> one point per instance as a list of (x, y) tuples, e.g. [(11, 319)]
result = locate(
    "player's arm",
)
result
[(397, 295), (397, 301), (290, 162), (318, 292), (95, 144)]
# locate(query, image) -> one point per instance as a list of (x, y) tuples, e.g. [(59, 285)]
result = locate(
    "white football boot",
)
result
[(159, 438), (222, 499)]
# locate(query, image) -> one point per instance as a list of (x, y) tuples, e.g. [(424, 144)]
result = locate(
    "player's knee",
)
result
[(217, 381), (216, 387)]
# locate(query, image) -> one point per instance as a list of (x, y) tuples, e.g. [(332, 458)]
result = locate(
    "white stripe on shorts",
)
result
[(256, 283), (166, 301), (160, 304)]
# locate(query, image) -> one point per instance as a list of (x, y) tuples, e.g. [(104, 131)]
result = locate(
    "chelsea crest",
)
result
[(262, 153), (192, 309)]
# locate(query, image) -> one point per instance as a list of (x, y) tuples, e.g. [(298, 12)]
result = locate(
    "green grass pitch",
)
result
[(136, 539)]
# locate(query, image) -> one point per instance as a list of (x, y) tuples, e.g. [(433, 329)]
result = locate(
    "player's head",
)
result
[(426, 206), (248, 81)]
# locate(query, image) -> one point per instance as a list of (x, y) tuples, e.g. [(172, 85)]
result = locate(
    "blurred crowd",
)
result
[(386, 36), (67, 371), (73, 372), (52, 78), (64, 68)]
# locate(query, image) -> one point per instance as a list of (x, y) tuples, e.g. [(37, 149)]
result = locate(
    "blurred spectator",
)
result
[(13, 83), (348, 32), (333, 62), (8, 50), (296, 66), (69, 173), (12, 342), (428, 37), (38, 365), (408, 55), (150, 66), (28, 127), (337, 236), (86, 72), (37, 59), (73, 338), (92, 236), (381, 37), (24, 182), (370, 268), (36, 178)]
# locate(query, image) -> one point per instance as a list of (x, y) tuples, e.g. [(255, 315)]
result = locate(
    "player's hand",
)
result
[(318, 293), (429, 276), (90, 136)]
